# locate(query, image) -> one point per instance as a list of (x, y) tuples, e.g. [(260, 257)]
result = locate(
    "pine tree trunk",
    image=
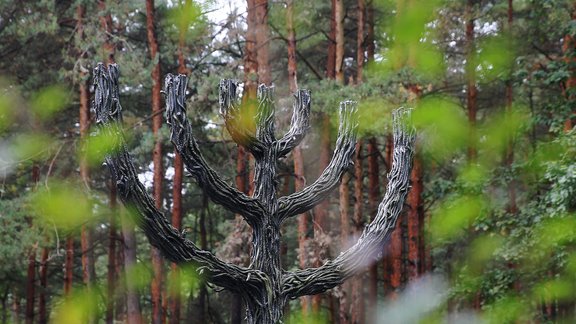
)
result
[(344, 242), (373, 197), (262, 42), (69, 265), (360, 40), (413, 220), (42, 311), (111, 276), (357, 310), (339, 19), (30, 285), (370, 45), (471, 90), (157, 263), (133, 310)]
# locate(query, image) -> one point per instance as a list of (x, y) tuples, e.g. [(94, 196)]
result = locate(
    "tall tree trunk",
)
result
[(42, 312), (370, 45), (357, 310), (339, 19), (360, 40), (414, 225), (112, 237), (175, 293), (471, 90), (133, 311), (373, 198), (344, 242), (30, 285), (31, 274), (262, 42), (69, 265), (203, 294), (299, 176), (157, 264), (568, 49), (84, 112)]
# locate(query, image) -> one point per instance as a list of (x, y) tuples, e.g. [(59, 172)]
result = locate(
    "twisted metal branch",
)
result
[(181, 136), (302, 201), (299, 124), (370, 245), (152, 221), (239, 120)]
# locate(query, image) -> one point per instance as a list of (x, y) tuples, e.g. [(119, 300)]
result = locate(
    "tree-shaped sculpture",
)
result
[(264, 285)]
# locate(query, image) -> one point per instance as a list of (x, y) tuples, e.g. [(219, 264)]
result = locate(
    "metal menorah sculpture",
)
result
[(264, 285)]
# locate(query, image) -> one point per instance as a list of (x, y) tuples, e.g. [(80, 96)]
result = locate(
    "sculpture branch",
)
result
[(370, 245), (239, 120), (181, 136), (302, 201), (299, 124), (152, 221)]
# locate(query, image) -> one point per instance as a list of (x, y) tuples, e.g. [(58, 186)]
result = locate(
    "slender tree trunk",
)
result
[(111, 277), (568, 49), (69, 265), (331, 59), (15, 307), (42, 312), (413, 220), (360, 40), (373, 198), (344, 242), (370, 45), (472, 91), (157, 264), (321, 211), (339, 18), (175, 293), (133, 311), (88, 270), (203, 294), (262, 41), (299, 181), (357, 310), (30, 285)]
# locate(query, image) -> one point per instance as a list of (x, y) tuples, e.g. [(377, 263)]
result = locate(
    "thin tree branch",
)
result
[(302, 201), (370, 245), (156, 227), (298, 126), (181, 136)]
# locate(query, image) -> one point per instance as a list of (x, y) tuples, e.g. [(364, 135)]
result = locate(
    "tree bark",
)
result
[(262, 41), (471, 90), (357, 305), (360, 40), (112, 237), (373, 196), (157, 264), (331, 59), (344, 243), (69, 265), (30, 285), (339, 19), (414, 226), (133, 310), (370, 45), (42, 312)]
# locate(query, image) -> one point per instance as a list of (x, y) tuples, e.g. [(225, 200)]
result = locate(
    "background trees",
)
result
[(442, 57)]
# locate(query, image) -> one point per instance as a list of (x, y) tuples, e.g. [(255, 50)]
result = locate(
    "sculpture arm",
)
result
[(299, 124), (156, 227), (371, 243), (181, 136), (240, 121), (302, 201)]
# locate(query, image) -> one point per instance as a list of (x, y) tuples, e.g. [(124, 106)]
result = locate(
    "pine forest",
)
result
[(287, 161)]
